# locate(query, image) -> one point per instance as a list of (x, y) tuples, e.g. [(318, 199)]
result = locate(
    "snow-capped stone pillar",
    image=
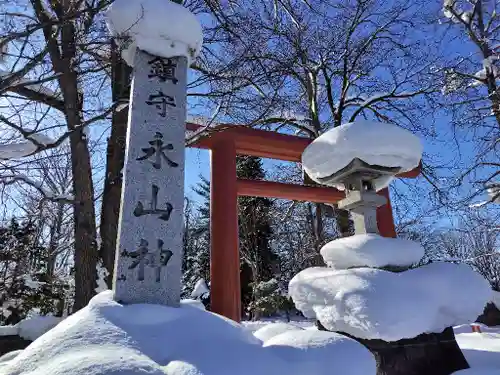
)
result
[(149, 250), (159, 39)]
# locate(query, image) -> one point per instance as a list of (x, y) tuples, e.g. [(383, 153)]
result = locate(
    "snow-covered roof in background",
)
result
[(376, 143), (375, 304), (31, 328), (108, 338), (371, 250), (161, 28), (24, 148)]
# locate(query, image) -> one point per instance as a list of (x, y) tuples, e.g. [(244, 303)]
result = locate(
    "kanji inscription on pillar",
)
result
[(149, 250)]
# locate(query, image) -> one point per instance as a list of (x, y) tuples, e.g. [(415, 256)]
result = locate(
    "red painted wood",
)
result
[(224, 254), (270, 189), (385, 220)]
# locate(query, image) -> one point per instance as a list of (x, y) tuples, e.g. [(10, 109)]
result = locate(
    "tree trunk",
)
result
[(55, 235), (110, 209), (84, 221), (426, 354), (85, 258)]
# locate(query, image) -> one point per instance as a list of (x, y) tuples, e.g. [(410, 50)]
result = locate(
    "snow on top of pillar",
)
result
[(370, 303), (376, 143), (160, 27), (371, 250)]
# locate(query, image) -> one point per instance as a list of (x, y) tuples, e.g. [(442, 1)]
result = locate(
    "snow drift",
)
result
[(322, 353), (107, 338)]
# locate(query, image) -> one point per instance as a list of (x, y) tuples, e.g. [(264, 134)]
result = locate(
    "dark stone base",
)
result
[(426, 354), (11, 343), (490, 316)]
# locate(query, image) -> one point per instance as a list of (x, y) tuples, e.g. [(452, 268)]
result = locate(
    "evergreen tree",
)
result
[(196, 261), (27, 284), (257, 258)]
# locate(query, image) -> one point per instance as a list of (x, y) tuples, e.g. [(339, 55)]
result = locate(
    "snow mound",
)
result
[(274, 329), (161, 28), (106, 338), (375, 304), (320, 352), (375, 143), (371, 250)]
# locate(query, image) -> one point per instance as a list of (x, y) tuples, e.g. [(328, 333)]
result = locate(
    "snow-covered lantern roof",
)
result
[(361, 155), (160, 27)]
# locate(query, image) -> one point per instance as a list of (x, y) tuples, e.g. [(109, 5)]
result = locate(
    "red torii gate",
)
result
[(225, 142)]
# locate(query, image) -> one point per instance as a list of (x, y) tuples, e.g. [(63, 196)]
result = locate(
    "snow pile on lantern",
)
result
[(107, 338), (375, 143), (370, 303), (371, 250), (161, 28)]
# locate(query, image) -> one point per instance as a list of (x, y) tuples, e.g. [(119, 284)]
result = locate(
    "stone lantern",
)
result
[(361, 158), (361, 198)]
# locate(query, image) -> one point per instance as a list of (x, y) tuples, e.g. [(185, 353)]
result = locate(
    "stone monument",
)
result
[(159, 39), (149, 249)]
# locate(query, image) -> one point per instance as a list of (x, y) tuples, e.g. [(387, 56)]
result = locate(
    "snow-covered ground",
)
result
[(97, 339), (481, 349), (106, 338)]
